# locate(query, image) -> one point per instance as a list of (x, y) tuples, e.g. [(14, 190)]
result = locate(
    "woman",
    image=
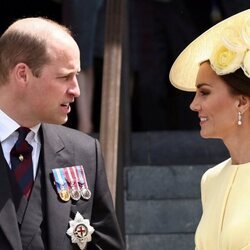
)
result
[(217, 66)]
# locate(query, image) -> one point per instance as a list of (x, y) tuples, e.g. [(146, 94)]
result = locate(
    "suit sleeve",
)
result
[(107, 235)]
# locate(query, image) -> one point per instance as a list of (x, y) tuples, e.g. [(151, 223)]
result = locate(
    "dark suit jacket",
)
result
[(64, 147)]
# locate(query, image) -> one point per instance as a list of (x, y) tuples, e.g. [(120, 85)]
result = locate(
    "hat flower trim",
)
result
[(233, 51)]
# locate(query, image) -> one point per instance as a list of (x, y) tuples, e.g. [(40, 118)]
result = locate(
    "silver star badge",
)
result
[(80, 231)]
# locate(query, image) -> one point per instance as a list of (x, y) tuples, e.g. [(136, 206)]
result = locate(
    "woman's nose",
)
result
[(194, 105)]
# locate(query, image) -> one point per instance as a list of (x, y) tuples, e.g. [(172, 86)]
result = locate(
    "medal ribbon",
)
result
[(80, 177), (84, 177), (68, 176), (71, 180), (75, 177), (59, 179)]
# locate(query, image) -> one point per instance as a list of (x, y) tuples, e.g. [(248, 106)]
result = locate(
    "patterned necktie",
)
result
[(21, 162)]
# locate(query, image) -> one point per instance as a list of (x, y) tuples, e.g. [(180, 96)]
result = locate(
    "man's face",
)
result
[(55, 89)]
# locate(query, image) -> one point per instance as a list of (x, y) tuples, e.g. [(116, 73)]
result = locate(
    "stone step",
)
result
[(162, 216), (160, 242), (163, 182), (162, 206)]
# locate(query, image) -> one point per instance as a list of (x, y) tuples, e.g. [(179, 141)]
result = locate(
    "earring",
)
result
[(239, 118)]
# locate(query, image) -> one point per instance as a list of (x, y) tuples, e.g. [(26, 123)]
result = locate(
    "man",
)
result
[(67, 203)]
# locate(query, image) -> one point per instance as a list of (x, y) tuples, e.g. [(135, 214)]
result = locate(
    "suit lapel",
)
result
[(55, 156), (34, 213), (8, 219)]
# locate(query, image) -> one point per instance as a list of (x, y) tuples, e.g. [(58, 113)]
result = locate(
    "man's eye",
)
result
[(68, 77)]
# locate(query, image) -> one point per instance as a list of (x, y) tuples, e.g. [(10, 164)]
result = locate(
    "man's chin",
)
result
[(59, 121)]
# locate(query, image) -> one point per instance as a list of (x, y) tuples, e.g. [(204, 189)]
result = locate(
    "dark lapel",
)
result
[(8, 219), (33, 216), (58, 212)]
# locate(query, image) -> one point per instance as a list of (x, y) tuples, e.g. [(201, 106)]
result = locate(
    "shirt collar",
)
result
[(35, 130), (8, 126)]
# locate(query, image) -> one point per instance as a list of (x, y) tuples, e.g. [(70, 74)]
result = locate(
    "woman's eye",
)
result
[(204, 92)]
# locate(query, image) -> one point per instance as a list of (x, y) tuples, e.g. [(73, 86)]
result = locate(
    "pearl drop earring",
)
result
[(239, 118)]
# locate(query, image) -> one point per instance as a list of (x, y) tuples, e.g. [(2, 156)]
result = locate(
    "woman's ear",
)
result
[(243, 103)]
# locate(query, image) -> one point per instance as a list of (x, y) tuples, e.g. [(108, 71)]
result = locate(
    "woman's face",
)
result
[(216, 106)]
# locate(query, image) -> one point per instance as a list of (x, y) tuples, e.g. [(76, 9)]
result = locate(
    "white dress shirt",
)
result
[(9, 136)]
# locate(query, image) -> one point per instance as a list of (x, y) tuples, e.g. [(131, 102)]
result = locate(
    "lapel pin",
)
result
[(20, 157)]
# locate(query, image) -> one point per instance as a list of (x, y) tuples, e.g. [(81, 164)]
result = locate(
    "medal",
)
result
[(71, 183), (85, 191), (64, 194), (86, 194), (71, 177), (61, 184), (80, 231), (74, 193)]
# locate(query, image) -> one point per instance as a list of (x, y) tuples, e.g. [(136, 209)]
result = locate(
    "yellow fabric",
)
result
[(225, 222)]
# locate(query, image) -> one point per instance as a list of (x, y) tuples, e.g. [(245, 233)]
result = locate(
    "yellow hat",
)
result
[(226, 45)]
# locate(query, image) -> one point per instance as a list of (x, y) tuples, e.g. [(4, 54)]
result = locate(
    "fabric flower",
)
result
[(225, 60), (246, 32), (246, 64), (232, 52)]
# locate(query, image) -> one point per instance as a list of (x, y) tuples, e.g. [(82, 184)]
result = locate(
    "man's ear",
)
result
[(21, 73)]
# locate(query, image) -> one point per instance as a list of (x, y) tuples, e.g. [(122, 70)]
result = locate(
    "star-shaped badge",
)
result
[(80, 231)]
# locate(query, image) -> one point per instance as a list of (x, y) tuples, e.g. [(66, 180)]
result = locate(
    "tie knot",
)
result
[(23, 131)]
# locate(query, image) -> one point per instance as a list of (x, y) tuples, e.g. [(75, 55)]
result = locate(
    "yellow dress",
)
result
[(225, 222)]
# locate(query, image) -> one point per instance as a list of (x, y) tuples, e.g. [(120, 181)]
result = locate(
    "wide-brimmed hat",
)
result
[(226, 45)]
